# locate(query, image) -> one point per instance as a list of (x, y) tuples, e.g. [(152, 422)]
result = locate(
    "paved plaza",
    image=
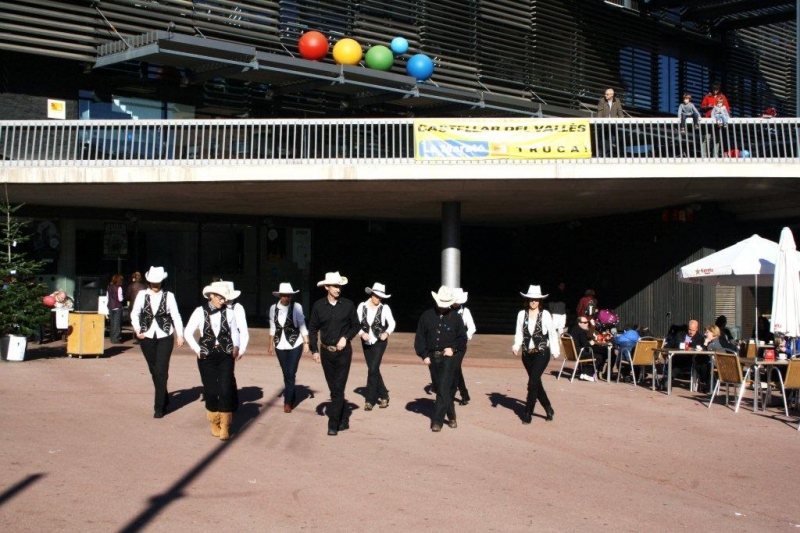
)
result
[(81, 452)]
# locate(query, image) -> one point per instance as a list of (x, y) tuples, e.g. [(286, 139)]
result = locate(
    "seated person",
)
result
[(714, 342), (625, 341), (764, 333), (584, 341), (722, 323)]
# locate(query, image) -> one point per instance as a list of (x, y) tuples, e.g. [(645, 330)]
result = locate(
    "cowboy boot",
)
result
[(225, 425), (527, 415), (213, 417)]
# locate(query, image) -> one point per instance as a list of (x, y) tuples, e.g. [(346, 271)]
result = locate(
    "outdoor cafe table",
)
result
[(609, 361), (669, 353), (757, 365)]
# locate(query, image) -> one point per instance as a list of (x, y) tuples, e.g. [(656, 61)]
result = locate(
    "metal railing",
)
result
[(226, 142)]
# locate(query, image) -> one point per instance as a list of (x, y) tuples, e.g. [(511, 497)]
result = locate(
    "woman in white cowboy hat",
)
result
[(377, 323), (535, 340), (157, 322), (288, 339), (217, 352), (458, 381)]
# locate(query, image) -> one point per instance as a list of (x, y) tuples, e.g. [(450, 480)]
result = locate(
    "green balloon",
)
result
[(379, 57)]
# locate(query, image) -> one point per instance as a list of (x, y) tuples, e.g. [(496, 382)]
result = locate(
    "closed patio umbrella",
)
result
[(786, 288)]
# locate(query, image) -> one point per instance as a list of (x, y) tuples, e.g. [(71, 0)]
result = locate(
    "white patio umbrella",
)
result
[(786, 288), (747, 263)]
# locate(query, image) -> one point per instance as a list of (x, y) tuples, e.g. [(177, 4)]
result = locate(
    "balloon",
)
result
[(379, 57), (744, 153), (420, 67), (347, 52), (49, 300), (399, 45), (313, 45)]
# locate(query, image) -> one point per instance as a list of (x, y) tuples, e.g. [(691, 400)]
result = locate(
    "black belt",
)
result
[(329, 348), (436, 353)]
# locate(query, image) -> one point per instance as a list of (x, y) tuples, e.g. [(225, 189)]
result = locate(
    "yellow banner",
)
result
[(511, 138)]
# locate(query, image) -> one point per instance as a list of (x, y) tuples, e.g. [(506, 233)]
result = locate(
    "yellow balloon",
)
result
[(347, 52)]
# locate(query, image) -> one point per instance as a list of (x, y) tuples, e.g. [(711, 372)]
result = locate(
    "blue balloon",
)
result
[(399, 45), (420, 67), (744, 153)]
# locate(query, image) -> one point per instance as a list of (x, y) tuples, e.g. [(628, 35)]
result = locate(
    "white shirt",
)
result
[(155, 301), (299, 322), (241, 324), (466, 316), (547, 329), (196, 324), (387, 320)]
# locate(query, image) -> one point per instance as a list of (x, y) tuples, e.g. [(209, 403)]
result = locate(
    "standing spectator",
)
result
[(441, 335), (458, 382), (686, 110), (332, 324), (711, 99), (377, 323), (288, 339), (558, 307), (535, 339), (217, 352), (115, 304), (609, 106), (133, 289), (157, 322), (587, 306)]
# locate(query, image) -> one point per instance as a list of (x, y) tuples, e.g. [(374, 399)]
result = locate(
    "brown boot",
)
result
[(225, 425), (213, 417)]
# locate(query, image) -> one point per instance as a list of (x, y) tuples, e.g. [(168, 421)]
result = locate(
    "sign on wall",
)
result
[(57, 109), (115, 239), (481, 139)]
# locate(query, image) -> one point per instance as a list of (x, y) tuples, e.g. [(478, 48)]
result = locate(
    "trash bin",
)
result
[(12, 348), (87, 289)]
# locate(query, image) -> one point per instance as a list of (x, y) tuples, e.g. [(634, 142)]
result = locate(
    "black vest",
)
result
[(209, 341), (288, 328), (162, 316), (377, 324), (539, 339)]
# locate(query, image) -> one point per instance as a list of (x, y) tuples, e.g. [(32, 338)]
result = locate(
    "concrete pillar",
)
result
[(451, 244)]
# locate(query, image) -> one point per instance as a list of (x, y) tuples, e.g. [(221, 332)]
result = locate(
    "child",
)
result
[(720, 113), (686, 110)]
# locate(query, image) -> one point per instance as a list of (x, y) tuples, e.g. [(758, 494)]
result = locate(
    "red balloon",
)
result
[(312, 45), (49, 301)]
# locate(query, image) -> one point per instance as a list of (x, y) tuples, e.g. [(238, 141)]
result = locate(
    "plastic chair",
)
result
[(729, 369), (570, 353), (642, 356)]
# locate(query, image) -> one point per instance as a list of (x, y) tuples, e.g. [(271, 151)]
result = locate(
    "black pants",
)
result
[(157, 353), (444, 369), (373, 354), (336, 366), (115, 325), (535, 364), (458, 380), (289, 360), (219, 387)]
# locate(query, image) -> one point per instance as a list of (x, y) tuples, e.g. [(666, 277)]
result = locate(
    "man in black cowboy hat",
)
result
[(441, 335), (335, 319)]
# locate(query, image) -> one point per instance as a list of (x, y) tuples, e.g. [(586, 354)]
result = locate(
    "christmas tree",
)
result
[(21, 307)]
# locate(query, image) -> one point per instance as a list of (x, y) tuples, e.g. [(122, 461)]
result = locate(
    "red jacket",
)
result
[(710, 100)]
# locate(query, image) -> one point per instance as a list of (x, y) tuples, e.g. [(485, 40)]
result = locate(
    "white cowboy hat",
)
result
[(378, 289), (284, 288), (444, 298), (534, 293), (232, 293), (155, 275), (460, 295), (218, 287), (333, 278)]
